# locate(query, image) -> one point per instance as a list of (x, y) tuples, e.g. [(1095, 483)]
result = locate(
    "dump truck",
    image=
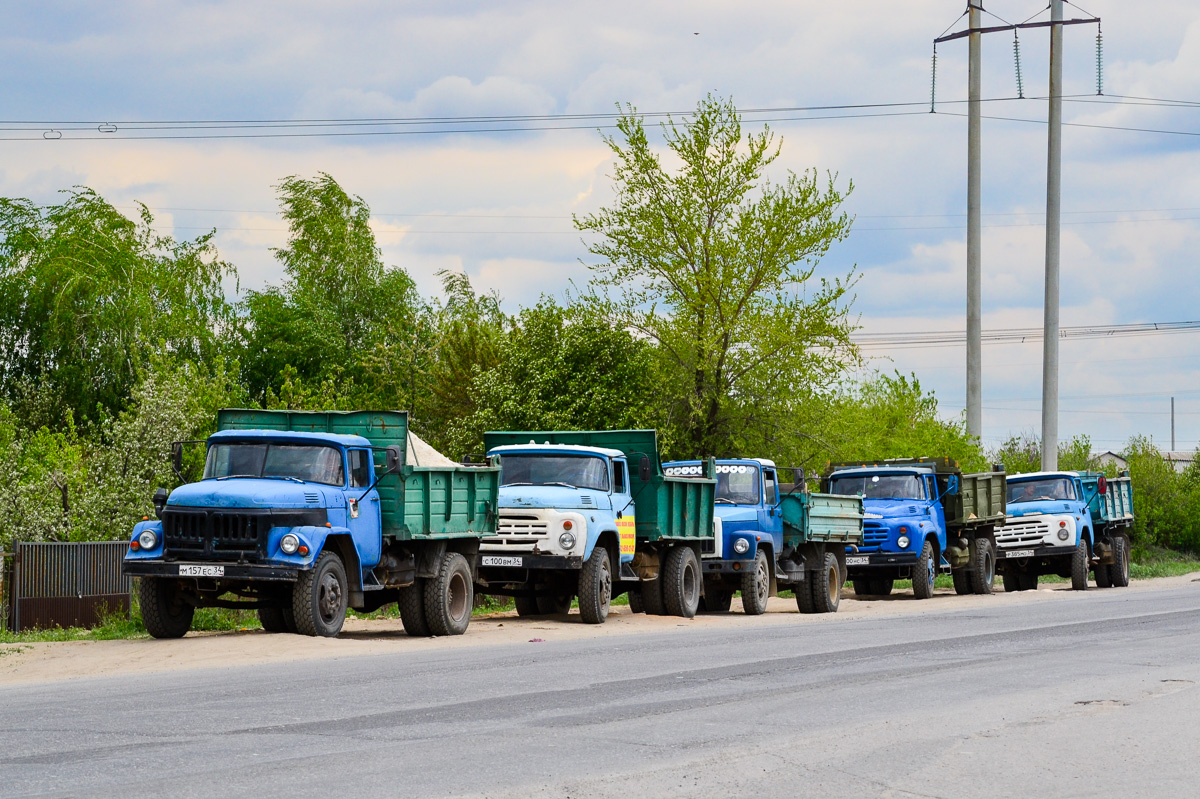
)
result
[(302, 514), (590, 514), (1066, 523), (773, 536), (923, 517)]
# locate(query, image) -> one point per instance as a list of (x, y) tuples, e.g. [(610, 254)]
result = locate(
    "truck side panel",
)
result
[(821, 517), (982, 499)]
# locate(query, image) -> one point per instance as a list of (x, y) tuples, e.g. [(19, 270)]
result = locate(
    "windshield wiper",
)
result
[(564, 485), (283, 477), (232, 476), (726, 501), (505, 485)]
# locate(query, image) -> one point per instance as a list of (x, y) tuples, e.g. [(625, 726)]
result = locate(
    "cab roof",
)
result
[(914, 469), (1016, 478), (565, 449), (767, 462), (284, 435)]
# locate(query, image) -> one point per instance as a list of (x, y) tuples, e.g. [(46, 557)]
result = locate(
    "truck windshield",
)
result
[(575, 471), (879, 486), (312, 463), (1034, 490), (737, 484)]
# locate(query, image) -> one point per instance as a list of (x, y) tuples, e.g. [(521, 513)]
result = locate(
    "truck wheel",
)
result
[(652, 597), (526, 605), (983, 567), (1029, 581), (412, 609), (883, 587), (804, 593), (319, 597), (595, 588), (272, 620), (450, 596), (164, 611), (635, 600), (924, 572), (863, 587), (1079, 566), (756, 586), (1012, 582), (716, 599), (1119, 570), (962, 581), (827, 587), (681, 582), (553, 604), (1103, 575)]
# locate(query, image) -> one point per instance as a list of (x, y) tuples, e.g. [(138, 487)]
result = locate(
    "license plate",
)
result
[(1019, 553), (860, 560), (500, 560), (201, 571)]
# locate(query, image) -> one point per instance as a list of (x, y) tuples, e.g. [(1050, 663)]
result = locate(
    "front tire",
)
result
[(924, 572), (164, 611), (827, 587), (319, 597), (1119, 570), (1079, 566), (554, 604), (595, 588), (450, 596), (681, 582), (883, 587), (1012, 582), (756, 586), (272, 620)]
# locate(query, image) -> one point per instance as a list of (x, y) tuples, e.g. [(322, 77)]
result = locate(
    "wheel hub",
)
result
[(329, 601)]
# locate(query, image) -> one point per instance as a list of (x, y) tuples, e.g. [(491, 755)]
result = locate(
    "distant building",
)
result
[(1180, 460), (1112, 459)]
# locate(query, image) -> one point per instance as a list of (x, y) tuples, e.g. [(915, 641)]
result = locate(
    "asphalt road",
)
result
[(1089, 695)]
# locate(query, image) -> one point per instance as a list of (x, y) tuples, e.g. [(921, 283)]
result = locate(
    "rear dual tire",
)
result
[(442, 604), (822, 590)]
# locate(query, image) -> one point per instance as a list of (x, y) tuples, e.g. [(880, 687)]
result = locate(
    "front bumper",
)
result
[(719, 566), (489, 561), (228, 571), (880, 560), (1019, 552)]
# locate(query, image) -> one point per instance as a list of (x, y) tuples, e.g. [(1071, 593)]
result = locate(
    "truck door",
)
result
[(365, 526), (769, 518), (626, 524), (939, 511)]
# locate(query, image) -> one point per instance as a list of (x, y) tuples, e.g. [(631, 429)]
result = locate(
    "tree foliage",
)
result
[(716, 265)]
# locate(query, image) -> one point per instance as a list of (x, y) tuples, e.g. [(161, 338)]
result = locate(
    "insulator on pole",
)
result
[(933, 83), (1017, 62), (1099, 60)]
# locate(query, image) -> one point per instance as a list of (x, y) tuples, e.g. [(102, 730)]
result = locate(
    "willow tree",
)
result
[(706, 256)]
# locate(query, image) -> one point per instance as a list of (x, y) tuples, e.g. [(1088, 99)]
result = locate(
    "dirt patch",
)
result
[(26, 663)]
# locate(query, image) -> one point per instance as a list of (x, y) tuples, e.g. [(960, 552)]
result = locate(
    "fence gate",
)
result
[(66, 585)]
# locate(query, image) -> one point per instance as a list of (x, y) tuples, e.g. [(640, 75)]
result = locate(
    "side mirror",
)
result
[(1102, 484), (177, 459), (644, 472), (393, 459), (160, 501)]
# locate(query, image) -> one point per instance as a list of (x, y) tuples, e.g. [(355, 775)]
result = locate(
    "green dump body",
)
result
[(829, 518), (418, 502), (981, 499), (666, 508)]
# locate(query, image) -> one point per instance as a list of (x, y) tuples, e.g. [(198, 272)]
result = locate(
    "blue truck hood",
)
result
[(553, 497), (242, 492), (895, 508), (1058, 506), (736, 513)]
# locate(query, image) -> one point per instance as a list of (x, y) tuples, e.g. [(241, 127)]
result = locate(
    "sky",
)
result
[(498, 205)]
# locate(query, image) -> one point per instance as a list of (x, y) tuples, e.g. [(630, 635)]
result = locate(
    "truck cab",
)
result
[(560, 507), (302, 514), (904, 527), (749, 533), (1061, 523)]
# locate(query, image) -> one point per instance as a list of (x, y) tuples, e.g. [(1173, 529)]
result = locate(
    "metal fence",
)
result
[(65, 585)]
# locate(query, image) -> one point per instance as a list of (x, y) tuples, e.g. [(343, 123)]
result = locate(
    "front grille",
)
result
[(516, 531), (227, 533), (874, 535), (1019, 532)]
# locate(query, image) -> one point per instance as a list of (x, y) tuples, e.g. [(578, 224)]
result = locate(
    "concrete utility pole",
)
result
[(1172, 424), (1053, 245), (974, 224)]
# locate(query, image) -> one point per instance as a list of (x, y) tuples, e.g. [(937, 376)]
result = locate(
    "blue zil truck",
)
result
[(923, 517), (590, 514), (773, 535), (302, 514), (1069, 524)]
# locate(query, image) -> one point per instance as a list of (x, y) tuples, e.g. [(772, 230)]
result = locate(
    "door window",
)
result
[(360, 471), (769, 487), (619, 477)]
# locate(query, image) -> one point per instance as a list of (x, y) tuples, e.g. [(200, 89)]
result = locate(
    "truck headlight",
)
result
[(566, 540), (1063, 535), (902, 542), (289, 544), (147, 539), (741, 546)]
